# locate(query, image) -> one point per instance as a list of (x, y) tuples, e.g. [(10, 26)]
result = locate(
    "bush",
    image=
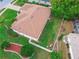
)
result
[(33, 2), (21, 2), (61, 36), (56, 55), (12, 33), (44, 5), (5, 44), (27, 50)]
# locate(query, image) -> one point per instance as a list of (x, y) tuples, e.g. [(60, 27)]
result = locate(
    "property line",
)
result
[(58, 34)]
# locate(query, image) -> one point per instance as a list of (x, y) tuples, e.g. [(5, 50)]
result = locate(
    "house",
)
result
[(73, 41), (47, 2), (31, 21)]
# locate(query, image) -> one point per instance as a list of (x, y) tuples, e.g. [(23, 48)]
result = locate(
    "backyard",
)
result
[(50, 32), (48, 37)]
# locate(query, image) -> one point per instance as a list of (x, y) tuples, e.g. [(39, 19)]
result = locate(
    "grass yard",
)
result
[(41, 54), (50, 32), (21, 2), (8, 55), (6, 19), (20, 40)]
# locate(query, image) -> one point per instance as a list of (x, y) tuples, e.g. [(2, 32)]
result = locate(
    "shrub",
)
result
[(56, 55), (33, 2), (27, 50), (61, 36), (12, 33), (5, 44), (67, 9)]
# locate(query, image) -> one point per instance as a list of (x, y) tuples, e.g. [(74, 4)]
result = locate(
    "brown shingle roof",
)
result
[(31, 20)]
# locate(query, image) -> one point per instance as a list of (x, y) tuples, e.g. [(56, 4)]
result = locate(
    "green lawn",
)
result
[(6, 19), (20, 40), (41, 54), (8, 55), (21, 2), (50, 32)]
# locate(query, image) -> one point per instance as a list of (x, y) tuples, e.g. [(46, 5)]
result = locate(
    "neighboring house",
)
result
[(47, 2), (4, 3), (31, 21), (76, 26), (73, 41)]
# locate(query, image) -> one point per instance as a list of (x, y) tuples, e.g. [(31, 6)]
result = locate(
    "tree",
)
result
[(5, 44), (67, 9), (27, 50)]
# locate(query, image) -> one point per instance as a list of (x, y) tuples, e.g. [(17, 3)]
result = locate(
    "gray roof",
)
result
[(73, 40)]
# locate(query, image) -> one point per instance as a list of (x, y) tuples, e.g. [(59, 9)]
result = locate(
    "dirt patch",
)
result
[(63, 48), (68, 27)]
